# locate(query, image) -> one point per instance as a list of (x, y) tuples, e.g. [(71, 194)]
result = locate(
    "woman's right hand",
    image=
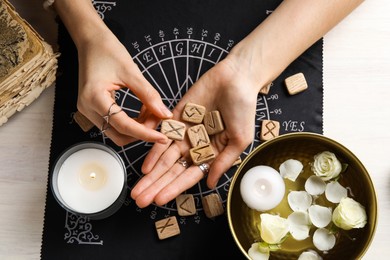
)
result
[(104, 67)]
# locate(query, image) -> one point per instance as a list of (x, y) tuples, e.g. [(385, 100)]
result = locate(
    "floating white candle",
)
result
[(88, 179), (262, 188)]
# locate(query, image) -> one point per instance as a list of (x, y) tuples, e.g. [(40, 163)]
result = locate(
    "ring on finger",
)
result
[(204, 167), (111, 113), (105, 127), (183, 162)]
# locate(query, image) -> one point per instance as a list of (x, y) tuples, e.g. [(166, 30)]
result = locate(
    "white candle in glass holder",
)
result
[(90, 180), (262, 188)]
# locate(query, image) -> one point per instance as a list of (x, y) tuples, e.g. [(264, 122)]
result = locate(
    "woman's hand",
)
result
[(104, 67), (228, 87), (231, 87)]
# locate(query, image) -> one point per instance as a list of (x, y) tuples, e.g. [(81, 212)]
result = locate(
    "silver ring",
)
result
[(109, 113), (183, 162), (105, 127), (204, 167)]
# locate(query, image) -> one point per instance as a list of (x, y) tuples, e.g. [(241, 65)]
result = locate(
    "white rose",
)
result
[(326, 165), (273, 228), (349, 214)]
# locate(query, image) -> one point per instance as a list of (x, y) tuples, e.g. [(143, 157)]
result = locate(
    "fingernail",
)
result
[(166, 111), (212, 186), (162, 141)]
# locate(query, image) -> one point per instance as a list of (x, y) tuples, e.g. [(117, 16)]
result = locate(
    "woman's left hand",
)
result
[(227, 87), (231, 87)]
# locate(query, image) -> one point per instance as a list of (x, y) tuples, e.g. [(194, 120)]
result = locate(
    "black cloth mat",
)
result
[(173, 42)]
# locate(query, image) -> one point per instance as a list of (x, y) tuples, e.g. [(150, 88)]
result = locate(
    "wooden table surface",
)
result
[(356, 114)]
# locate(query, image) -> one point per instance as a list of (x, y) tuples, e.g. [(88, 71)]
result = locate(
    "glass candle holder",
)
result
[(89, 179)]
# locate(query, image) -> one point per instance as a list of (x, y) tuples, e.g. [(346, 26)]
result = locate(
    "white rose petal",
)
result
[(323, 240), (290, 169), (349, 214), (334, 192), (299, 225), (255, 253), (299, 200), (314, 185), (320, 216), (309, 255), (273, 228), (326, 165)]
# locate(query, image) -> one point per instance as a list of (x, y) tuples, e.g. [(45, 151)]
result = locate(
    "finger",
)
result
[(145, 118), (126, 126), (153, 156), (110, 132), (222, 163), (118, 138), (146, 93), (130, 127), (123, 130), (154, 162), (166, 162), (148, 119), (182, 183), (147, 196)]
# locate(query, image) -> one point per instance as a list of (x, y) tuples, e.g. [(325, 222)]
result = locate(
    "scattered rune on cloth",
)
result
[(173, 43)]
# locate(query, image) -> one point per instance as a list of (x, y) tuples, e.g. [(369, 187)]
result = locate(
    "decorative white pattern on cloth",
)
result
[(173, 43)]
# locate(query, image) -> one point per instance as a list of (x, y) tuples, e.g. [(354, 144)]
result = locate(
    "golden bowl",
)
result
[(243, 221)]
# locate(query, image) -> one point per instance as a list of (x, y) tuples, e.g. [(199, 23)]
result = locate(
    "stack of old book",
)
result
[(28, 64)]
